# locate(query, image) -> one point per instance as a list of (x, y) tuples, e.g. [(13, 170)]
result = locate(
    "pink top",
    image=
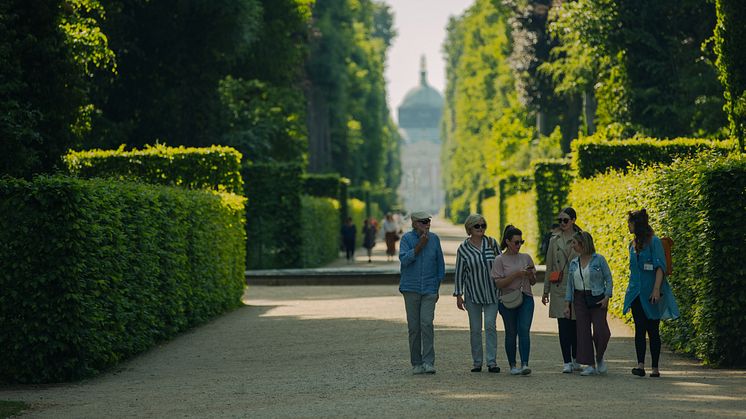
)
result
[(506, 264)]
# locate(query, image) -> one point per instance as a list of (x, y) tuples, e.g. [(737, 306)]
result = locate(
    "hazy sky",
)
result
[(421, 30)]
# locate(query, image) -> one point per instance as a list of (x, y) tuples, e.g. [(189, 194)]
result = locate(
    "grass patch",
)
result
[(9, 408)]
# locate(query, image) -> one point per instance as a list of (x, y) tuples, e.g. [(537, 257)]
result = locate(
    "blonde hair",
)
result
[(586, 240), (472, 220)]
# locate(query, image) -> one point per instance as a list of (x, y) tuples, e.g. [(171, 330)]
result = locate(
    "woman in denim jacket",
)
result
[(648, 293), (589, 277)]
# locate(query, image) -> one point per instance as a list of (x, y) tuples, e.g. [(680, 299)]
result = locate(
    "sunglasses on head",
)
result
[(519, 242), (425, 221), (480, 226), (563, 220)]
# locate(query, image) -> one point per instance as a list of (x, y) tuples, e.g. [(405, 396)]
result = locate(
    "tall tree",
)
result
[(730, 39), (48, 50)]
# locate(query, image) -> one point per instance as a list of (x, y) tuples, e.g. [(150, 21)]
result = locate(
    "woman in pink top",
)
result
[(515, 271)]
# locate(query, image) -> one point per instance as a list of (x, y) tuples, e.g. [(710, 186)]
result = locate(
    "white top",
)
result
[(578, 280), (390, 226)]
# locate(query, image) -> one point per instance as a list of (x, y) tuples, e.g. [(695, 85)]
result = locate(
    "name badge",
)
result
[(647, 266)]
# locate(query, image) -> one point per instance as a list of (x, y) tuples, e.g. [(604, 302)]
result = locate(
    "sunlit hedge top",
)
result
[(597, 154), (214, 167)]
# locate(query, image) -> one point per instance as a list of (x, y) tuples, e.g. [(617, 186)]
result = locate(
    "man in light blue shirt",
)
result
[(422, 270)]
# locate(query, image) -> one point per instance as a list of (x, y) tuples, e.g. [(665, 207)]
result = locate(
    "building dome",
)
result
[(421, 111)]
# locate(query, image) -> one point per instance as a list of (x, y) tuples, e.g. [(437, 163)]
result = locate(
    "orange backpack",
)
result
[(667, 246)]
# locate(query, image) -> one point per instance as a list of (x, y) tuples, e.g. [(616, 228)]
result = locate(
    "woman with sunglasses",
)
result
[(559, 254), (475, 291), (648, 293), (514, 272)]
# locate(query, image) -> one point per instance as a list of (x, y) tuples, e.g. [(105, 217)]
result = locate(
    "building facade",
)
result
[(419, 118)]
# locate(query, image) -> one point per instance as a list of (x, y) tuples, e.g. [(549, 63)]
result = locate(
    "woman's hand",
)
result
[(460, 302), (545, 299), (655, 296), (605, 302), (567, 312)]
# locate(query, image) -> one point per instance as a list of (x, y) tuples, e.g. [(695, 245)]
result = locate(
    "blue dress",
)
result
[(641, 282)]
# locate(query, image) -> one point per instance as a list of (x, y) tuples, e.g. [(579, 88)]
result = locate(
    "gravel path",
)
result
[(341, 351)]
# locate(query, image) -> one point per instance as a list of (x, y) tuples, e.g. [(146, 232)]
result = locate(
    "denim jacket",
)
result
[(600, 276), (424, 272)]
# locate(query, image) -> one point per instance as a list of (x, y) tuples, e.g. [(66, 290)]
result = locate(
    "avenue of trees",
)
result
[(526, 77), (286, 81)]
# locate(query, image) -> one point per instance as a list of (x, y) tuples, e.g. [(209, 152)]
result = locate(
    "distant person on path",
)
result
[(648, 293), (514, 274), (422, 271), (348, 239), (391, 232), (475, 290), (589, 288), (559, 254), (369, 237)]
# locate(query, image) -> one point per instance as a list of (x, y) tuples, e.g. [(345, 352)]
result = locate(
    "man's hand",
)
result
[(422, 243)]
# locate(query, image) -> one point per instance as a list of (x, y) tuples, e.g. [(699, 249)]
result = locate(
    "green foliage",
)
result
[(704, 203), (508, 186), (171, 57), (730, 37), (552, 180), (596, 154), (520, 210), (194, 168), (642, 61), (484, 124), (356, 210), (319, 231), (700, 204), (322, 185), (262, 121), (99, 270), (273, 209), (350, 131), (47, 51)]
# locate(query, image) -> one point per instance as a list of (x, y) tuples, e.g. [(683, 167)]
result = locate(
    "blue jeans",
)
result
[(517, 323), (420, 315), (475, 311)]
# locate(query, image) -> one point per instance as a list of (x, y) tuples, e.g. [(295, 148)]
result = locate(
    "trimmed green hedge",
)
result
[(701, 204), (213, 167), (356, 210), (95, 271), (322, 185), (273, 215), (552, 181), (319, 230), (520, 210), (597, 154)]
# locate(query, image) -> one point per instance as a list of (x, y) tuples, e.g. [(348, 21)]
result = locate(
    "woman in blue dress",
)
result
[(648, 294)]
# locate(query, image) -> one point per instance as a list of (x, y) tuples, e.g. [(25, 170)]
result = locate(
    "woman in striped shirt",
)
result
[(475, 290)]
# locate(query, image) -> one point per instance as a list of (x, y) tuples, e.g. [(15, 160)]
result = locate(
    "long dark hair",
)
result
[(509, 232), (642, 230), (572, 214)]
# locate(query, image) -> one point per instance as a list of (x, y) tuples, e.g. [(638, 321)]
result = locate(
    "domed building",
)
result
[(420, 114)]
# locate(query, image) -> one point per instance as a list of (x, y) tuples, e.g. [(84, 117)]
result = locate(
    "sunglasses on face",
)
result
[(480, 226), (563, 220), (425, 221), (519, 242)]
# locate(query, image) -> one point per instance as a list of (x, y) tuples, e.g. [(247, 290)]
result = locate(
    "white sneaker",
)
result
[(602, 367), (525, 370), (515, 371), (589, 370), (429, 369), (576, 366), (567, 368), (418, 369)]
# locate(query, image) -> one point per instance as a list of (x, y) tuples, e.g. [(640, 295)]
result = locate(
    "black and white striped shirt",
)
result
[(473, 268)]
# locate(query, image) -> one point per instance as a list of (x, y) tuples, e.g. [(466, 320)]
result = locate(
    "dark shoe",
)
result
[(655, 374), (640, 372), (476, 369), (494, 369)]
